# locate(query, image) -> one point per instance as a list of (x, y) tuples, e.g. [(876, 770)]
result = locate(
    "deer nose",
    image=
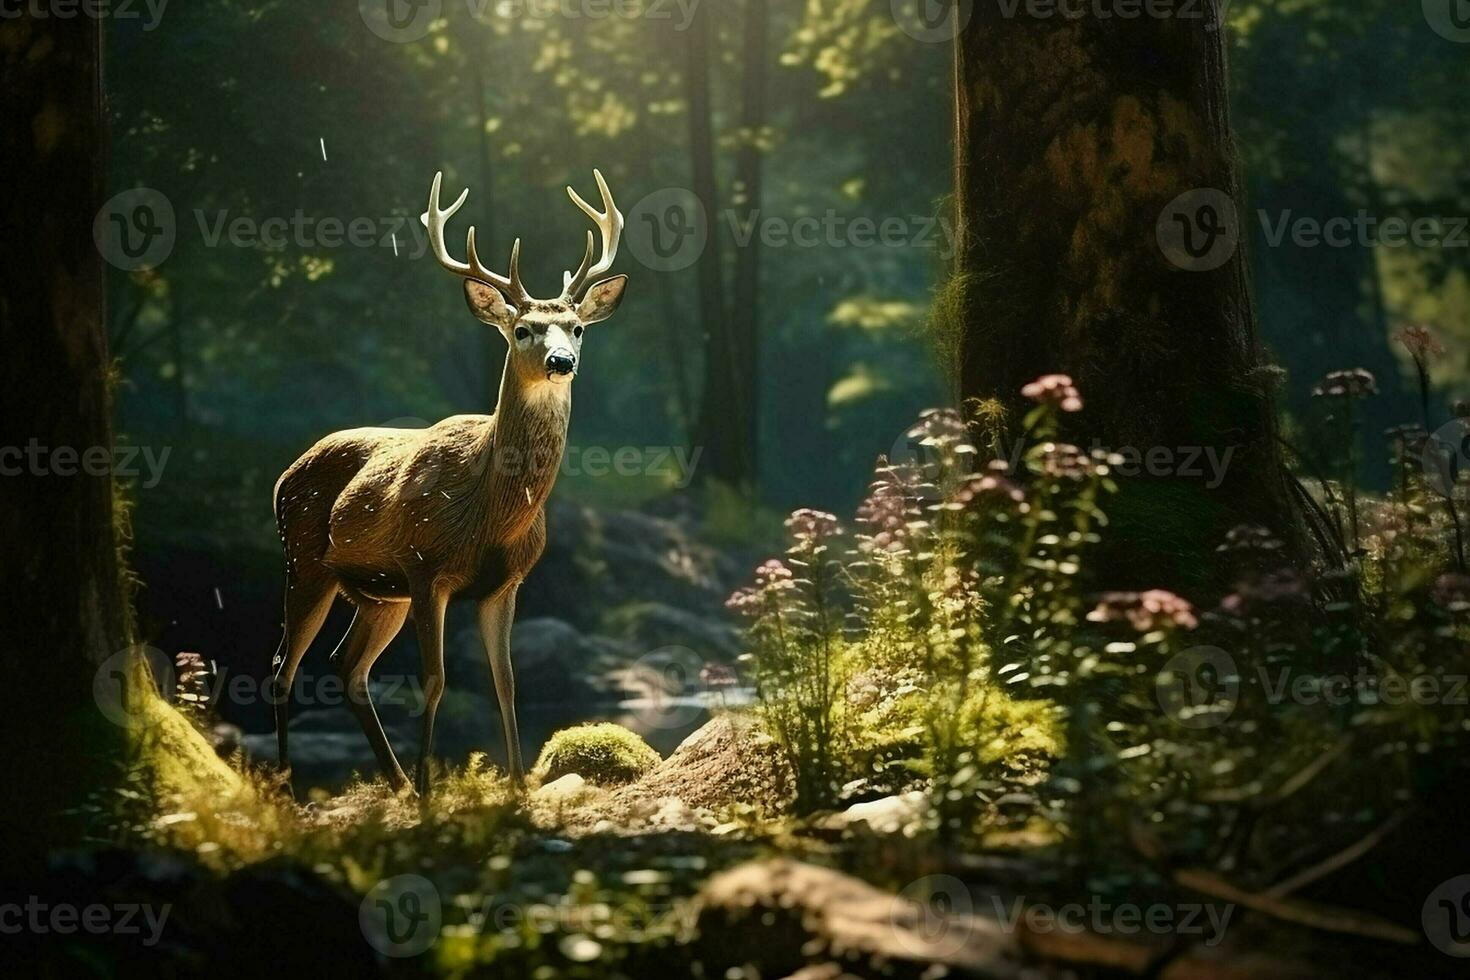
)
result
[(560, 363)]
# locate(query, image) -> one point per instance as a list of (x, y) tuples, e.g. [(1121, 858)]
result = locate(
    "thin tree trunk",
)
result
[(493, 355), (678, 355), (1074, 139), (181, 385), (67, 611), (722, 413), (749, 161)]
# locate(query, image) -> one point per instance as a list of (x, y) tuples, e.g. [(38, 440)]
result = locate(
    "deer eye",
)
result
[(577, 331), (522, 333)]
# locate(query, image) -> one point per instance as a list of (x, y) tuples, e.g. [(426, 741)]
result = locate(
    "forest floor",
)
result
[(695, 869)]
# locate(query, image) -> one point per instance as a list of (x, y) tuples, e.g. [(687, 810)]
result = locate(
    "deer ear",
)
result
[(488, 305), (602, 300)]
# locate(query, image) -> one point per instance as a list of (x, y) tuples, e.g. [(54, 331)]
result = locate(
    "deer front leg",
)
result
[(428, 617), (496, 615)]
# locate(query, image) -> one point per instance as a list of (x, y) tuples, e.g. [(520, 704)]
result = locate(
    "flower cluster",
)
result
[(1275, 587), (1063, 461), (1054, 389), (891, 511), (770, 578), (1452, 591), (1419, 342), (1352, 383), (810, 529), (982, 487), (1250, 539), (942, 427), (1146, 611)]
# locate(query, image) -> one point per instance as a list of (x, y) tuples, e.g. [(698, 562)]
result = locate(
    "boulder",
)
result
[(728, 761), (782, 916), (891, 814)]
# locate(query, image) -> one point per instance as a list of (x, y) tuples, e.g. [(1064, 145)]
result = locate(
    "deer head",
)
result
[(545, 335)]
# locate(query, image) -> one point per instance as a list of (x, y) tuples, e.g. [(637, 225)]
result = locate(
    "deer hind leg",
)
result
[(308, 599), (376, 625), (496, 615), (428, 617)]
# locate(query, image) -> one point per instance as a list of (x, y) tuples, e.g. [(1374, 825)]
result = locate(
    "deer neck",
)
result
[(531, 420)]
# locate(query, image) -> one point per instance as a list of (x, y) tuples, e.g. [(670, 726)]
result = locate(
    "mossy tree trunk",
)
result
[(1073, 139), (65, 601)]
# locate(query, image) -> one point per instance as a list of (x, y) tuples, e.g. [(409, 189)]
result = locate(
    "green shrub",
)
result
[(604, 754)]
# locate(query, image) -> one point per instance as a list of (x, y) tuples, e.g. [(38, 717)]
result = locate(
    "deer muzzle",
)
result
[(561, 364)]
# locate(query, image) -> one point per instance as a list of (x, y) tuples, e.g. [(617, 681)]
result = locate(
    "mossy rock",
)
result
[(604, 754)]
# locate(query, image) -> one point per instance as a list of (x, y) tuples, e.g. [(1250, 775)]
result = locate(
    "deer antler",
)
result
[(610, 223), (434, 220)]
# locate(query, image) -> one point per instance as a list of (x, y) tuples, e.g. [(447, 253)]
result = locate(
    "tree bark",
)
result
[(67, 610), (749, 167), (1073, 138), (723, 409)]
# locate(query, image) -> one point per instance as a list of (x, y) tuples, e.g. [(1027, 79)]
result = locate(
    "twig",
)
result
[(1326, 918), (1337, 861)]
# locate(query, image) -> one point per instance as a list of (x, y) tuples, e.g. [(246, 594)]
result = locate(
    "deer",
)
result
[(400, 521)]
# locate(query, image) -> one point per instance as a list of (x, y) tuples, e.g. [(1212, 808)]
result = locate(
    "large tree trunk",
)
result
[(723, 407), (65, 606), (1074, 138)]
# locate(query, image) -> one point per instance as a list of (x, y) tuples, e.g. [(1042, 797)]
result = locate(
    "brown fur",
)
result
[(395, 519)]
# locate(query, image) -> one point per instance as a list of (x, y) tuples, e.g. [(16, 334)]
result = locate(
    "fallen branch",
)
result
[(1315, 916), (1339, 860)]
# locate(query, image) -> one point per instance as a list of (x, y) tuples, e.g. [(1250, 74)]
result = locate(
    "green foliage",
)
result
[(951, 561), (604, 754)]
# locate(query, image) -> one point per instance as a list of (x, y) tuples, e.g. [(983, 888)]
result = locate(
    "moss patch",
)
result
[(603, 754)]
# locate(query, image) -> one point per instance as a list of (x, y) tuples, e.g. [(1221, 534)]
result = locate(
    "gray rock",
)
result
[(889, 815), (555, 662), (610, 558), (653, 625)]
